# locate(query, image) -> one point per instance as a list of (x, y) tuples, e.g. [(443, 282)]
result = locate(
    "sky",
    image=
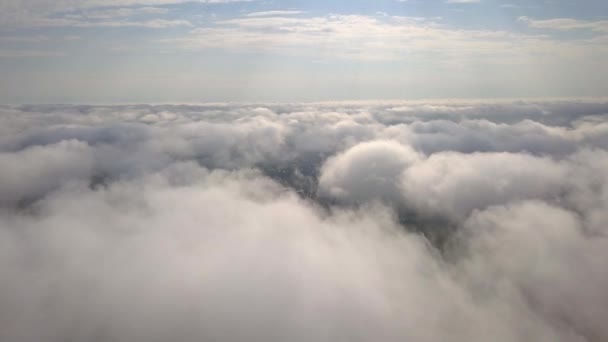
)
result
[(158, 51)]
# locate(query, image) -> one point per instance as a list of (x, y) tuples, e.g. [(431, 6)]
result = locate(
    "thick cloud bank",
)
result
[(445, 221)]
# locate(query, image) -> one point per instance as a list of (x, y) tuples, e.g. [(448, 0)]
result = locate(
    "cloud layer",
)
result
[(424, 221)]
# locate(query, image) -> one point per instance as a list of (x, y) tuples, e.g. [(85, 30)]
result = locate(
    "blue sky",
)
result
[(119, 51)]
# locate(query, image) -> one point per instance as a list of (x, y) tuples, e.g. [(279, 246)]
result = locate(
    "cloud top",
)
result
[(462, 221)]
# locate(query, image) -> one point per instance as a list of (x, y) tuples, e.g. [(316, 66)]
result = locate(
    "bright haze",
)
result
[(261, 171)]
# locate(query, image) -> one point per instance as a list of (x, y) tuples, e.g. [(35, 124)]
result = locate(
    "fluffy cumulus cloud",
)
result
[(367, 171), (445, 220)]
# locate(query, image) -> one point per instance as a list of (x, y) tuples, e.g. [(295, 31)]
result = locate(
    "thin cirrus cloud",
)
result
[(462, 1), (273, 13), (28, 13), (566, 24), (352, 35)]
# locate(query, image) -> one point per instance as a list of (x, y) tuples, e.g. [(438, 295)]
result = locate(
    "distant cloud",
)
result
[(25, 53), (462, 1), (352, 37), (565, 24), (156, 23), (28, 13), (273, 13)]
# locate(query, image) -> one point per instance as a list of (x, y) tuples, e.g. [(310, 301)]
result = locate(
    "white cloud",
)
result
[(202, 222), (27, 53), (565, 24), (355, 36), (273, 13), (37, 170), (359, 37), (454, 184), (40, 13), (366, 172), (462, 1), (155, 23)]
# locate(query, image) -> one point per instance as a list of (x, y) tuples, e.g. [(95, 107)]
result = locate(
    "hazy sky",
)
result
[(222, 50)]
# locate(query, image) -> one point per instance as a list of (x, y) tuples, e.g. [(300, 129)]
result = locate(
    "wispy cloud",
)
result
[(462, 1), (273, 13), (566, 24), (358, 37), (28, 13), (25, 53)]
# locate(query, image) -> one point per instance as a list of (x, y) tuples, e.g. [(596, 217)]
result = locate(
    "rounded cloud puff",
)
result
[(35, 171), (455, 184), (450, 185), (367, 171)]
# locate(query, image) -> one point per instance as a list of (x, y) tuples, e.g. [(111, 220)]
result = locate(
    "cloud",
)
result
[(565, 24), (449, 185), (37, 170), (367, 171), (156, 23), (273, 13), (342, 36), (300, 222), (462, 1), (41, 13), (161, 258), (117, 12), (455, 184), (380, 38), (529, 251), (29, 53)]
